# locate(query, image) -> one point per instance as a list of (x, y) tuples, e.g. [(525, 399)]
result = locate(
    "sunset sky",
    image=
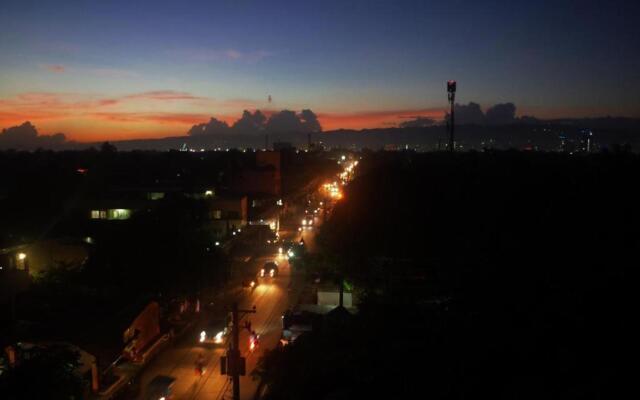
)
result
[(132, 69)]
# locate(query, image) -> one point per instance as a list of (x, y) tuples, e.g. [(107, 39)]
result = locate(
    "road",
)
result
[(271, 298)]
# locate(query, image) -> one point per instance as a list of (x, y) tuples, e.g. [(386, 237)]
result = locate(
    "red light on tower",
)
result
[(451, 86)]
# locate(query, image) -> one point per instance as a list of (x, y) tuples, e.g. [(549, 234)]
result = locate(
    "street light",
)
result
[(21, 256)]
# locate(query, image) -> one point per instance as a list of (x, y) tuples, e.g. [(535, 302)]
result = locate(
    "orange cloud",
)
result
[(374, 119), (187, 119), (57, 68), (163, 95), (84, 117)]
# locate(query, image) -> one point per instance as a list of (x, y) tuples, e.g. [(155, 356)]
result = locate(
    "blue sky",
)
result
[(64, 61)]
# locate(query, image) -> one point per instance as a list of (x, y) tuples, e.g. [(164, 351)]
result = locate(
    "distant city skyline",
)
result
[(122, 70)]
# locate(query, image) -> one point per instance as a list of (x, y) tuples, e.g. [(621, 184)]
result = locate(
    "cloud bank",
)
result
[(26, 137), (285, 121), (472, 114)]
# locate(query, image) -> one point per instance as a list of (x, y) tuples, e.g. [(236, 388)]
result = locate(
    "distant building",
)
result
[(227, 214), (14, 273), (331, 297), (265, 178), (45, 254), (391, 147), (280, 146)]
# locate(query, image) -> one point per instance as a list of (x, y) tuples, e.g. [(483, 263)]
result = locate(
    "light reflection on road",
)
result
[(271, 299)]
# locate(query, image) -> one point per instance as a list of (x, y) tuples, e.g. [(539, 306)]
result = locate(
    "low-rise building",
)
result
[(227, 214)]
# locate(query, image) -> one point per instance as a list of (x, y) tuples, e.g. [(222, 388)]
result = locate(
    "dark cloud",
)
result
[(26, 137), (284, 121), (418, 122), (310, 121), (250, 123), (469, 114), (500, 114), (213, 127), (289, 121)]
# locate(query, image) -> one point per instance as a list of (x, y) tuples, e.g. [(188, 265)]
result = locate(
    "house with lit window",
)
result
[(227, 214)]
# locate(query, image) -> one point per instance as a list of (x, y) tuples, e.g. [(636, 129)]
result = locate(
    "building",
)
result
[(280, 146), (263, 179), (227, 214)]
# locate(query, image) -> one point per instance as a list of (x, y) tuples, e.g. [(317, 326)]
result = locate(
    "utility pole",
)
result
[(451, 94), (233, 364)]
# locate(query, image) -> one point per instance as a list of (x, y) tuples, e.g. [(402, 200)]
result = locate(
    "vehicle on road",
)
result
[(295, 323), (254, 341), (215, 332), (249, 284), (269, 269), (160, 388), (292, 249)]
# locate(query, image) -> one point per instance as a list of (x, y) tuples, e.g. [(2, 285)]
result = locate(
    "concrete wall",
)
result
[(333, 299)]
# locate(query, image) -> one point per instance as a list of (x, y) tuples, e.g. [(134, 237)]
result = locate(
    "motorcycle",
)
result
[(253, 341), (199, 366)]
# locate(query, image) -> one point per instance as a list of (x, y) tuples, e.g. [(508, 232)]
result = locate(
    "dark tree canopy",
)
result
[(48, 374)]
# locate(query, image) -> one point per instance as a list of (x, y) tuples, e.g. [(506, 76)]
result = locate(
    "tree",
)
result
[(49, 373), (108, 148)]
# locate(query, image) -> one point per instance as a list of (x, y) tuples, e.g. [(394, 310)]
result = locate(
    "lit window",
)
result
[(155, 195), (95, 214), (119, 213)]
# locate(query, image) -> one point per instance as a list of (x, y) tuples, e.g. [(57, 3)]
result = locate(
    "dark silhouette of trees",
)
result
[(49, 373), (108, 148), (502, 274)]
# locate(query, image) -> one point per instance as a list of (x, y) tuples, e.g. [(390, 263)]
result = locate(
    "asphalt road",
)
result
[(271, 298)]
